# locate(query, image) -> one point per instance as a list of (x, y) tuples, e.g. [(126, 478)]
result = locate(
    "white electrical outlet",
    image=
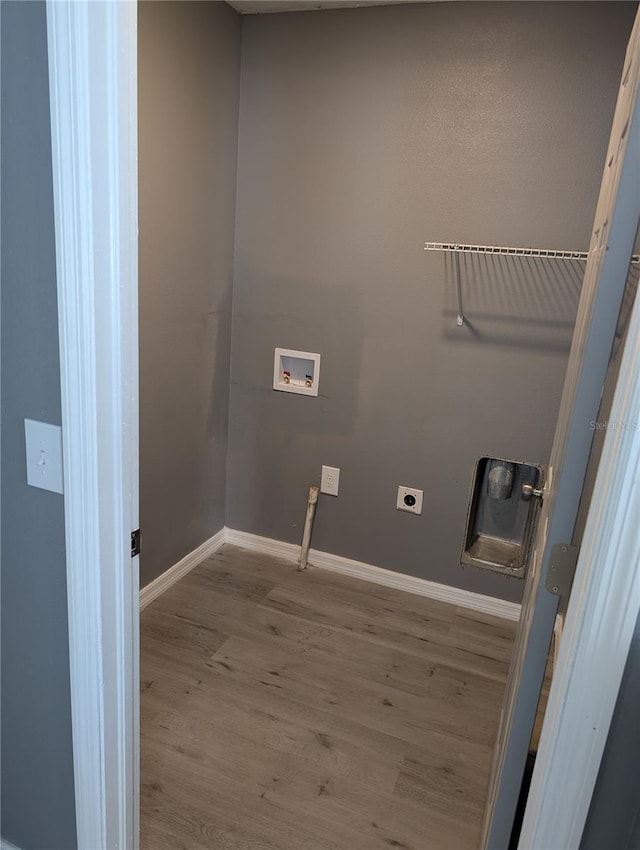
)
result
[(409, 499), (330, 481)]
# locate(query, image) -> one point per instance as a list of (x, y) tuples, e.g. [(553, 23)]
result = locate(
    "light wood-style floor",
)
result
[(311, 711)]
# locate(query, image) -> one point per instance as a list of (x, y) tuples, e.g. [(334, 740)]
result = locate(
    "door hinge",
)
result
[(135, 542), (562, 568)]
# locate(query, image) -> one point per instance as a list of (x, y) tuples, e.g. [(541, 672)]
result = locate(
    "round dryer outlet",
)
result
[(409, 499)]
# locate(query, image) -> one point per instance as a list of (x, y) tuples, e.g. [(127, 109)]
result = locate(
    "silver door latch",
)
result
[(529, 491)]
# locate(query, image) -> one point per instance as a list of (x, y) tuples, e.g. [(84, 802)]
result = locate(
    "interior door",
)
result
[(612, 242)]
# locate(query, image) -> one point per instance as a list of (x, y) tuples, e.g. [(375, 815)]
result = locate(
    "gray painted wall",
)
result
[(364, 133), (189, 72), (37, 805)]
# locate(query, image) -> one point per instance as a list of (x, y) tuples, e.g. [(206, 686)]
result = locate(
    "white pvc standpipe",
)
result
[(308, 526)]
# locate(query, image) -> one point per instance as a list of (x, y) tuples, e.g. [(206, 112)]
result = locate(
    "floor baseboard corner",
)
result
[(164, 581)]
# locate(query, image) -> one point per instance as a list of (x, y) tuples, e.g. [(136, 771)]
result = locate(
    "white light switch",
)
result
[(44, 455)]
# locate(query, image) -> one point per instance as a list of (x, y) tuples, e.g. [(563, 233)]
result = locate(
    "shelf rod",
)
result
[(501, 251)]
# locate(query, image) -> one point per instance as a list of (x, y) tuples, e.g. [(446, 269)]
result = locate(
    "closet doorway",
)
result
[(106, 634)]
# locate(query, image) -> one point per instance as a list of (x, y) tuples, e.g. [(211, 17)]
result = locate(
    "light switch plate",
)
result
[(44, 455)]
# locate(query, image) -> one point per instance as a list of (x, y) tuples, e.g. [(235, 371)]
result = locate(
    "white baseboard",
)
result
[(177, 571), (266, 545), (335, 563), (378, 575), (7, 845)]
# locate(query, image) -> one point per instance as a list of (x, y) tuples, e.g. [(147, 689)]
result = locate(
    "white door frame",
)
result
[(92, 61), (92, 80)]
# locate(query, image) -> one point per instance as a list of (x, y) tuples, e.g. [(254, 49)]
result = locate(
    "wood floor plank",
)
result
[(177, 639), (295, 808), (486, 634), (344, 751), (445, 778), (378, 706), (311, 711), (237, 814)]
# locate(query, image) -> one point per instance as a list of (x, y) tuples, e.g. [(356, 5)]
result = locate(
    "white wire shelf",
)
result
[(503, 251), (506, 252)]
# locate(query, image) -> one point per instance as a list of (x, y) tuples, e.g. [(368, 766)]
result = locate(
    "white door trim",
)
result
[(92, 80)]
